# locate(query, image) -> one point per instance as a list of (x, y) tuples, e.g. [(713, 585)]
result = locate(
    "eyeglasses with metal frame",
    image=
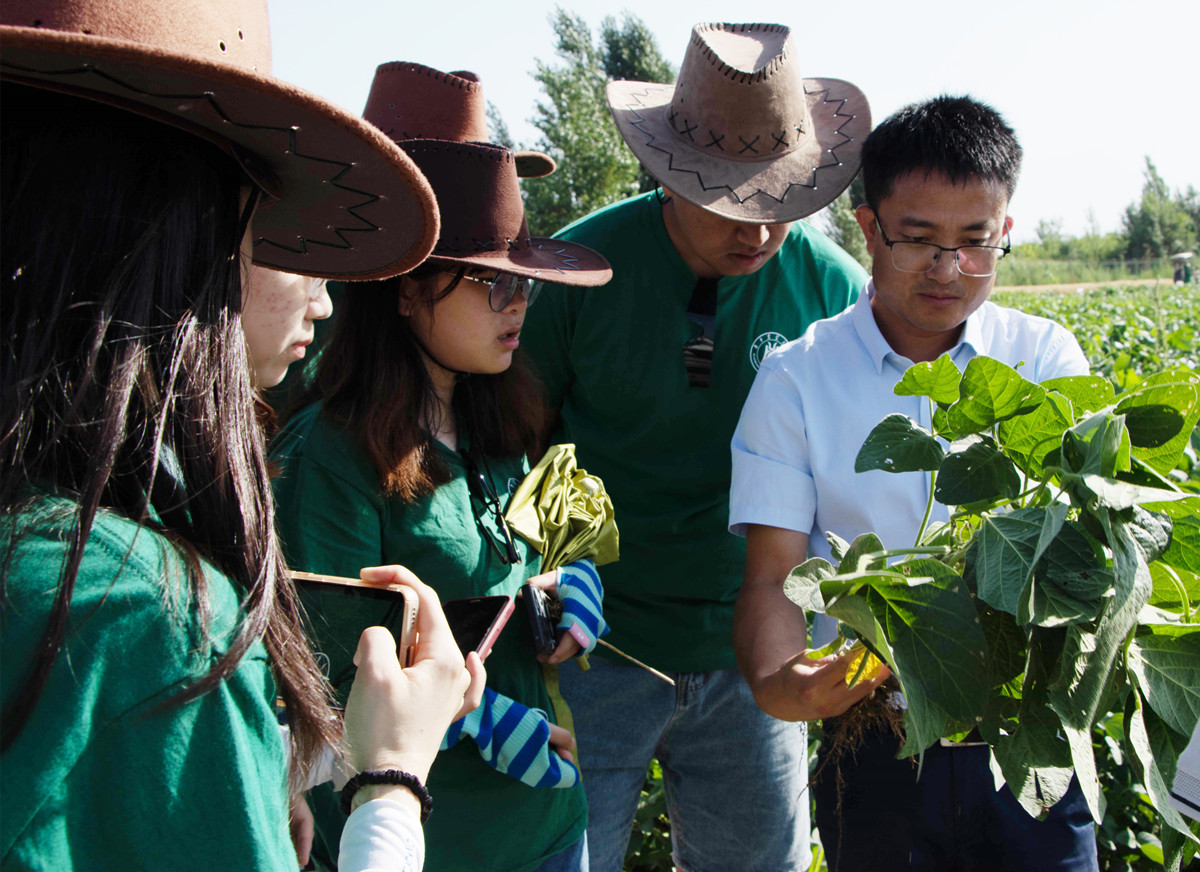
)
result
[(504, 289), (485, 500), (976, 261)]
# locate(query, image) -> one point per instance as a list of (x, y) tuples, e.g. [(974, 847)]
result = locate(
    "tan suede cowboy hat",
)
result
[(343, 201), (483, 216), (413, 101), (741, 133)]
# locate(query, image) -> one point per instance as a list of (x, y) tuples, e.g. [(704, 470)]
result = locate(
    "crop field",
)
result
[(1127, 333)]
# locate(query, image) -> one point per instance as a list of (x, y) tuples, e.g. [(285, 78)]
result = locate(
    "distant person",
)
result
[(407, 448), (148, 625), (647, 377), (938, 178)]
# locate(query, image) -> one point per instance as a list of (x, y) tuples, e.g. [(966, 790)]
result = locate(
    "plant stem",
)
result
[(1182, 589), (932, 484)]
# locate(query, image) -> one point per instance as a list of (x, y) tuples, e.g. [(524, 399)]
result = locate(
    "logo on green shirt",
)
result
[(764, 345)]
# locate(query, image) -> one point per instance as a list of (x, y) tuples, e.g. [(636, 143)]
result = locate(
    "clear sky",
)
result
[(1091, 87)]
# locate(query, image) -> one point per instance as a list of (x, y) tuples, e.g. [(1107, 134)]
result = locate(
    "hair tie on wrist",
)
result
[(388, 776)]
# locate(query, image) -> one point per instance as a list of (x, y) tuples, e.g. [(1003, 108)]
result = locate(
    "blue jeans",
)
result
[(735, 777), (573, 859), (951, 820)]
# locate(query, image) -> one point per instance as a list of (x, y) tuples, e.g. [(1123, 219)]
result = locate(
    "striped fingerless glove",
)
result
[(582, 597), (515, 740)]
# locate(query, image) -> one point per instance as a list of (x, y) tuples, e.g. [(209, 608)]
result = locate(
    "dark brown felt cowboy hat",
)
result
[(413, 101), (344, 201), (741, 133), (483, 217)]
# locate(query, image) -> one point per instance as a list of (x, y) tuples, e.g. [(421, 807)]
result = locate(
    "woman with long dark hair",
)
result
[(148, 625), (406, 449)]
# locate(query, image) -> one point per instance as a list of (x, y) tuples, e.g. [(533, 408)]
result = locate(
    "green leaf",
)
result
[(1155, 748), (1087, 393), (837, 545), (1151, 530), (991, 392), (1089, 656), (1179, 849), (1005, 643), (975, 470), (1178, 388), (1174, 588), (803, 584), (936, 379), (1098, 445), (1083, 757), (1184, 550), (1164, 660), (1152, 426), (1028, 439), (1006, 549), (1034, 758), (1121, 495), (857, 557), (935, 636), (899, 444)]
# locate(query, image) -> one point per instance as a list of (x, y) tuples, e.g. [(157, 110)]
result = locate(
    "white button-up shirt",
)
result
[(815, 401)]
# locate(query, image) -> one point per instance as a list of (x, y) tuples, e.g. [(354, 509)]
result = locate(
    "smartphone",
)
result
[(536, 604), (476, 621), (339, 609)]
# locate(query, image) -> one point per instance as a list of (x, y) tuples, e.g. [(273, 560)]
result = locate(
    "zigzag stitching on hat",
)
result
[(700, 179), (216, 106), (732, 73), (570, 263)]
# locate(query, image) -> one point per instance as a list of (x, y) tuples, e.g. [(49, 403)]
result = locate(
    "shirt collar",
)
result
[(879, 350)]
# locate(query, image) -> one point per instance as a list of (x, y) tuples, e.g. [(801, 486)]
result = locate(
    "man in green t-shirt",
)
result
[(648, 376)]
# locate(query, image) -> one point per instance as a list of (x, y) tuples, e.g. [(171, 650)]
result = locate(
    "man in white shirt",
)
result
[(938, 177)]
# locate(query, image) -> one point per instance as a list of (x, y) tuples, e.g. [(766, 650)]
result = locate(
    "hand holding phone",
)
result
[(339, 609), (476, 621), (395, 718)]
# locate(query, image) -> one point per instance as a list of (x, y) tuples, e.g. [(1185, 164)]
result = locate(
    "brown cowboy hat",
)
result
[(413, 101), (343, 201), (741, 133), (483, 222)]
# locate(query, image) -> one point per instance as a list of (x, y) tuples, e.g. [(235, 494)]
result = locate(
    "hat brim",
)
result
[(544, 260), (533, 164), (346, 202), (774, 190)]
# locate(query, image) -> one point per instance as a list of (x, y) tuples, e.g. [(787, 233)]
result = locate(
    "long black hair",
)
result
[(124, 379), (371, 379)]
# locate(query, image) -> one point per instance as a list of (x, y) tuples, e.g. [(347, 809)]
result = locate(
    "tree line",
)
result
[(596, 169)]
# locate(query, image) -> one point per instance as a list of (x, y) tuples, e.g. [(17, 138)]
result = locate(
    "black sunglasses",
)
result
[(485, 500)]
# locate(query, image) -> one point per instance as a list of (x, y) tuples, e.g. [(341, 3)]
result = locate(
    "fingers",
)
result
[(474, 692), (301, 825), (547, 581), (568, 647), (376, 650), (562, 742), (436, 640)]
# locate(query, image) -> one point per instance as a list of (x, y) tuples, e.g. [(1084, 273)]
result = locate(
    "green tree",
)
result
[(594, 166), (1158, 225), (841, 225)]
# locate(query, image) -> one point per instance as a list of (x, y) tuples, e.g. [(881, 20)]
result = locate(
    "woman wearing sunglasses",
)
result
[(405, 450)]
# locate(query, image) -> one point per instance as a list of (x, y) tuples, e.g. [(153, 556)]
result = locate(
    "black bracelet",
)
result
[(388, 776)]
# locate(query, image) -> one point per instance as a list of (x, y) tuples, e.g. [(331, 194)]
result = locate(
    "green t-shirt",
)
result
[(612, 361), (333, 519), (101, 777)]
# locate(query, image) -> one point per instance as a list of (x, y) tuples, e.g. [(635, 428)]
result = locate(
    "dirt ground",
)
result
[(1067, 288)]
